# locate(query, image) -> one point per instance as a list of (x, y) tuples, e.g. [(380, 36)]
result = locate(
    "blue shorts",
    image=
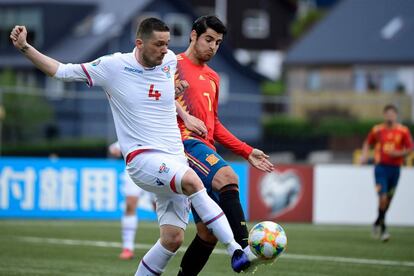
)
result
[(205, 162), (386, 176)]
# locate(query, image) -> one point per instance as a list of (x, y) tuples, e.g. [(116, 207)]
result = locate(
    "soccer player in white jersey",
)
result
[(141, 93)]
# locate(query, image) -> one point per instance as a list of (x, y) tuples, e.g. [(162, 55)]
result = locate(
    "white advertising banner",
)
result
[(345, 194)]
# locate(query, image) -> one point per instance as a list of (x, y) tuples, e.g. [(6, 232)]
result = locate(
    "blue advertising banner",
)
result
[(73, 188)]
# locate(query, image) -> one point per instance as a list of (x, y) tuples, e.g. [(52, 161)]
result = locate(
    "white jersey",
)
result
[(142, 100)]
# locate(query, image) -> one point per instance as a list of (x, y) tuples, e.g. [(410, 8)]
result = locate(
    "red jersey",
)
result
[(388, 139), (200, 99)]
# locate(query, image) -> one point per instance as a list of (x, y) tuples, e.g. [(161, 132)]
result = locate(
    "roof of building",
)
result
[(359, 32)]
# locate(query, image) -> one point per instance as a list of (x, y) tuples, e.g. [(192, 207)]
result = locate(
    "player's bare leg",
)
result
[(129, 224)]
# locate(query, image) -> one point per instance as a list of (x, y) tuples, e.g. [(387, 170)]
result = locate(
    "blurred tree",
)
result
[(25, 113), (303, 23)]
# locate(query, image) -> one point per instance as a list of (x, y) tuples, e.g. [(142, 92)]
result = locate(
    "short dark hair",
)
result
[(148, 25), (390, 107), (208, 21)]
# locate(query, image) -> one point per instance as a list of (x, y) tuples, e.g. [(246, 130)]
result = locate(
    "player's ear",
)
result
[(193, 36), (139, 43)]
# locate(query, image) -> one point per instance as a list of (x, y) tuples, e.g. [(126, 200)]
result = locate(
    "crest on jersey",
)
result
[(163, 168), (212, 159), (166, 70)]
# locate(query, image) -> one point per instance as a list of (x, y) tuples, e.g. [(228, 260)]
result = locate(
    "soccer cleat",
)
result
[(385, 236), (376, 231), (126, 254), (239, 261)]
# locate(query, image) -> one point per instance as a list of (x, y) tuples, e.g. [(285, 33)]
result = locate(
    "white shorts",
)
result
[(129, 188), (161, 173)]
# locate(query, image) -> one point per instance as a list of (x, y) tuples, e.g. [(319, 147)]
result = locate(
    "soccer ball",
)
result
[(267, 240)]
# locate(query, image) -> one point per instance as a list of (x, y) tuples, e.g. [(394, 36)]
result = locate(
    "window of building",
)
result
[(180, 29), (256, 24), (314, 80), (30, 17)]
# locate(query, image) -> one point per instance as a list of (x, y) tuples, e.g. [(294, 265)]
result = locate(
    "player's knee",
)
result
[(172, 240), (191, 183), (223, 177), (206, 235)]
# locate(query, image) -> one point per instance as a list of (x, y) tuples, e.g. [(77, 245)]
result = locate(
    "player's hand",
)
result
[(260, 160), (180, 87), (195, 125), (19, 36)]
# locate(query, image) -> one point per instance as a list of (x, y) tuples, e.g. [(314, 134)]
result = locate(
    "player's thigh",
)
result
[(158, 172), (130, 189), (381, 179), (161, 174), (173, 209), (204, 161), (394, 176)]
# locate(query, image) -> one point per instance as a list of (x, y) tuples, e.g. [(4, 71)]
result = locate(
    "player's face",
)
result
[(207, 44), (390, 117), (154, 48)]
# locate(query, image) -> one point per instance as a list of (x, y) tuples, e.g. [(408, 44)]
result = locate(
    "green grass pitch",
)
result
[(59, 247)]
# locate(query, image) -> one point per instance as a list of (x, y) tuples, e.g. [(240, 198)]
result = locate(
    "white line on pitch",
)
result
[(222, 251)]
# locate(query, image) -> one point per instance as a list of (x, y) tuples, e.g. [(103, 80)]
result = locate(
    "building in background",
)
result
[(357, 59)]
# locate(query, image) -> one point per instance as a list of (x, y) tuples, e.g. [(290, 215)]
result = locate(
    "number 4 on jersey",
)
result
[(154, 94)]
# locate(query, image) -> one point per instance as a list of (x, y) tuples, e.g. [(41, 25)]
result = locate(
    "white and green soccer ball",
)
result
[(267, 240)]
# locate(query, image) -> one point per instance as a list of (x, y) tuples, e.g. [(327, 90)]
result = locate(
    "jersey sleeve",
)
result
[(227, 139), (371, 138), (95, 73), (224, 136), (408, 140)]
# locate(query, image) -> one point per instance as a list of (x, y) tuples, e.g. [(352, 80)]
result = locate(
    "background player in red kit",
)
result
[(201, 101), (392, 143)]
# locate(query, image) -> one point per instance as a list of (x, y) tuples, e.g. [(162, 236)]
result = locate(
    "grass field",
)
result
[(53, 247)]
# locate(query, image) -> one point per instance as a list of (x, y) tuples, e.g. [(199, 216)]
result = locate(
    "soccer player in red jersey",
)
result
[(200, 99), (392, 143)]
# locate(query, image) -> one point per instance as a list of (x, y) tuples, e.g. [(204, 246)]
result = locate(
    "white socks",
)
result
[(155, 261), (129, 227), (214, 218)]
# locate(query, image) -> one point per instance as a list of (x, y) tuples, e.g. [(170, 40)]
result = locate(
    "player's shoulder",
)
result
[(213, 74), (180, 57), (402, 128), (378, 127), (170, 57)]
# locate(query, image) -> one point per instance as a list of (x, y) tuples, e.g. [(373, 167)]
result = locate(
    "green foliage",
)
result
[(283, 126), (25, 113), (68, 147), (304, 23), (273, 88)]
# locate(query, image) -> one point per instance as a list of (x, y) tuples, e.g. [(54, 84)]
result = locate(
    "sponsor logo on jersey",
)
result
[(201, 77), (163, 168), (166, 70), (96, 62), (159, 182), (133, 70), (212, 159)]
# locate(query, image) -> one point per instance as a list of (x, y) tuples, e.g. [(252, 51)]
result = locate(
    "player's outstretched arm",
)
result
[(364, 153), (44, 63), (260, 160)]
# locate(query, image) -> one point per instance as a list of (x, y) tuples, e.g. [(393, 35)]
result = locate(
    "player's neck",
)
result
[(192, 57), (141, 61)]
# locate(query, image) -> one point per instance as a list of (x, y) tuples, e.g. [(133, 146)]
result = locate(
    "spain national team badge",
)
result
[(212, 159), (166, 70)]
